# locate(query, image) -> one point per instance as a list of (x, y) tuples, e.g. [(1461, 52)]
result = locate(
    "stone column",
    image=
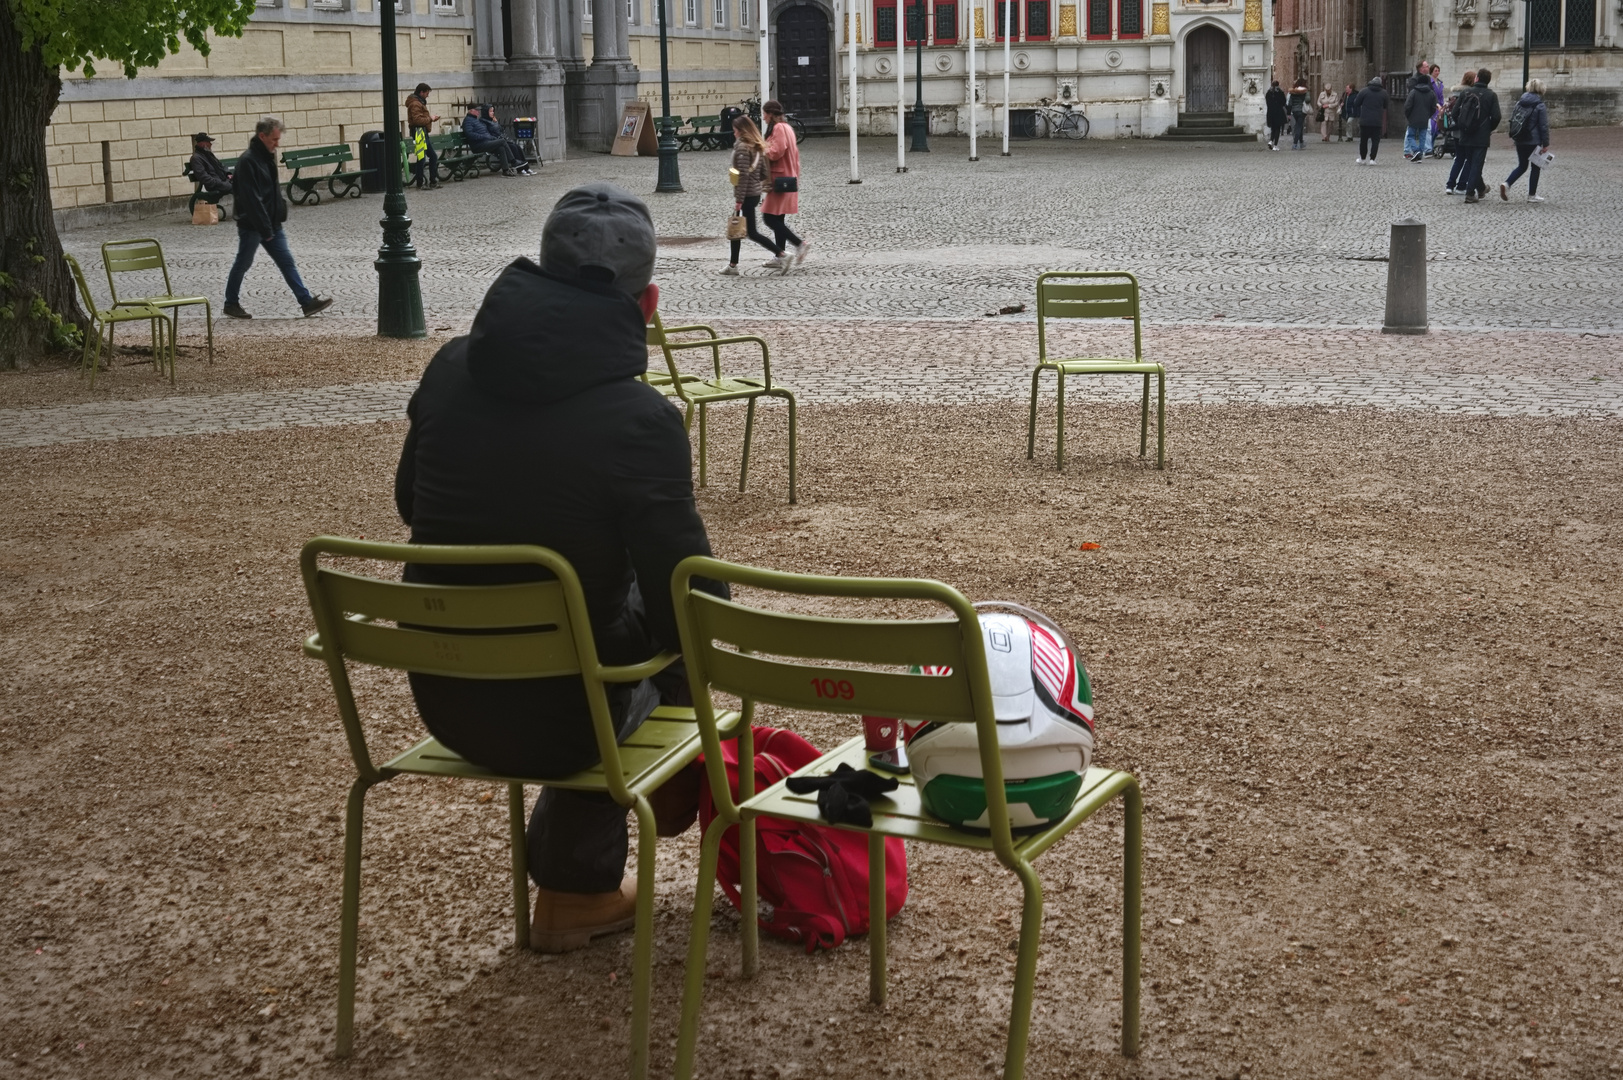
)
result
[(526, 30), (489, 52), (609, 82)]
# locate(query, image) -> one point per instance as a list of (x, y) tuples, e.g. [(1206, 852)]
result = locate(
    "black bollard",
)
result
[(1406, 279)]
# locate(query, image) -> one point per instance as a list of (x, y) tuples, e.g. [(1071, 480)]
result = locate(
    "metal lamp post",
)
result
[(921, 119), (1527, 40), (400, 295), (670, 176)]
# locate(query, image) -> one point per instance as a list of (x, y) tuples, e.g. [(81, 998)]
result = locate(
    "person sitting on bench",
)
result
[(206, 168), (484, 136), (534, 428)]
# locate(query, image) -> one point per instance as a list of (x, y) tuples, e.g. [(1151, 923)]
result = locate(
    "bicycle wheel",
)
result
[(1041, 125), (1076, 126), (798, 128)]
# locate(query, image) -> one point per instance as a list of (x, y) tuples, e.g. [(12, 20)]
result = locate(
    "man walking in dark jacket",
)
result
[(260, 211), (535, 429), (1478, 120), (1371, 121), (1418, 109)]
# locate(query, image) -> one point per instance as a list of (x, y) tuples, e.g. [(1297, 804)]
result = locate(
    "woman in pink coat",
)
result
[(784, 154)]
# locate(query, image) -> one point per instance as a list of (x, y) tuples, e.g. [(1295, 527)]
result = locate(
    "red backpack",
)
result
[(812, 880)]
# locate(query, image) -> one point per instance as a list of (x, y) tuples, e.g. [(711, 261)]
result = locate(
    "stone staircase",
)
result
[(1208, 127)]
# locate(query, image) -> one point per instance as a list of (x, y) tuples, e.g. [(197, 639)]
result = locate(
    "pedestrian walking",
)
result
[(1298, 106), (1372, 101), (1418, 107), (1349, 112), (783, 197), (1452, 114), (1329, 105), (418, 118), (260, 211), (751, 171), (1529, 129), (1479, 116), (1275, 100)]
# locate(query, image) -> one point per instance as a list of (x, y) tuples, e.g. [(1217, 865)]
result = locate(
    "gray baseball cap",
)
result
[(601, 233)]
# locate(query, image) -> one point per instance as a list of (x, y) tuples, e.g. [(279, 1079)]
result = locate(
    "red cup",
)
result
[(881, 732)]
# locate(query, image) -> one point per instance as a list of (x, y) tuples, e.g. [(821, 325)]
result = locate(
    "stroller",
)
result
[(1448, 138)]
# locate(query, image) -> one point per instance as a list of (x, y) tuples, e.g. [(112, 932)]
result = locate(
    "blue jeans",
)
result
[(248, 242), (1471, 178), (1414, 140), (1298, 129), (1524, 163)]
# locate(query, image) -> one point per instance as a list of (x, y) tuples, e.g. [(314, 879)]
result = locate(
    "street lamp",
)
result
[(1527, 40), (921, 119), (400, 296), (670, 176)]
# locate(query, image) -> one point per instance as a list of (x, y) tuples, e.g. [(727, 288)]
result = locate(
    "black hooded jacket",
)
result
[(258, 202), (534, 429), (1421, 102)]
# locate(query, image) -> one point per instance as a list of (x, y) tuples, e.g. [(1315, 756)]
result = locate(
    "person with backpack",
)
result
[(1371, 121), (1529, 129), (1452, 119), (1299, 105), (1275, 100), (750, 173), (1479, 116), (1418, 108)]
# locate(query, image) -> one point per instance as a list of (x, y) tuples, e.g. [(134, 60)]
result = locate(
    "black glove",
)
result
[(842, 796)]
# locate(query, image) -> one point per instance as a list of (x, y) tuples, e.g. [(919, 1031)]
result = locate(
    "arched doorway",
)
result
[(803, 61), (1206, 56)]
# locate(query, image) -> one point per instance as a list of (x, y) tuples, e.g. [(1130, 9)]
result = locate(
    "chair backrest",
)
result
[(132, 257), (525, 630), (1087, 294), (84, 286), (836, 665), (657, 339)]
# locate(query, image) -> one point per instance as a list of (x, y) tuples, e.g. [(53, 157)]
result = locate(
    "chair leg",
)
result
[(348, 927), (749, 929), (703, 447), (793, 449), (208, 314), (876, 918), (1132, 904), (1144, 418), (1031, 425), (521, 867), (1161, 424), (1025, 972), (1059, 442), (749, 431), (642, 956), (693, 982)]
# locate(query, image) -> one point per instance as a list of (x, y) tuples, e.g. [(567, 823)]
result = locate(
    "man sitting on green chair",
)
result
[(534, 429)]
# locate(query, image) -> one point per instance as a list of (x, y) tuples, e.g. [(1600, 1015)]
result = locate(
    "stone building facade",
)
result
[(1576, 46)]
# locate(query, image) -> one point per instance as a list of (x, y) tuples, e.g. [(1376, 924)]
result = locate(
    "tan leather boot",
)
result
[(565, 921)]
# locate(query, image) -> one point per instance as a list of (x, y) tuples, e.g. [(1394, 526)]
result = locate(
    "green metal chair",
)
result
[(533, 629), (134, 256), (695, 392), (1095, 294), (838, 665), (103, 321)]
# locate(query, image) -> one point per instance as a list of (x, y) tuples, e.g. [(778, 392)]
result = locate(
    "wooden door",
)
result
[(803, 61), (1206, 51)]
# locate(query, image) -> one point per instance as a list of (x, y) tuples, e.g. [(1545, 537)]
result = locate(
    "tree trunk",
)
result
[(38, 301)]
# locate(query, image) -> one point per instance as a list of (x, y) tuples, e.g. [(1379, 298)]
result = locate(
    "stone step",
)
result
[(1231, 134), (1188, 120)]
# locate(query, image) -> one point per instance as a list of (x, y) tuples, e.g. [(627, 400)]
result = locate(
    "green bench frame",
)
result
[(459, 161), (704, 133), (202, 194), (313, 158)]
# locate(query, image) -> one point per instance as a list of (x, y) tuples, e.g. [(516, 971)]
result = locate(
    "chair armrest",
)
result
[(714, 345), (630, 673), (669, 330), (312, 647)]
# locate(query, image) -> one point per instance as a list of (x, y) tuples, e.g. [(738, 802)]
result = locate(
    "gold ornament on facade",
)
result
[(1253, 17), (980, 25), (1067, 20), (848, 18), (1161, 20)]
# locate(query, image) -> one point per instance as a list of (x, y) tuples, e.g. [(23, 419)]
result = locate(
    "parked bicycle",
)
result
[(1052, 119), (795, 125)]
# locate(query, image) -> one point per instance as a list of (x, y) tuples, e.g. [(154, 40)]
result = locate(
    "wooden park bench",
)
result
[(704, 134), (203, 194), (316, 158), (458, 160)]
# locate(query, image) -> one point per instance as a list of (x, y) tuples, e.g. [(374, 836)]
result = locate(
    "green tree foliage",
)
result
[(39, 40)]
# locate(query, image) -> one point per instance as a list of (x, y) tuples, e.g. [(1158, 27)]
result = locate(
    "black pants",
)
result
[(780, 231), (1369, 141), (1273, 133), (505, 150), (433, 163), (747, 208), (1475, 158), (1524, 155)]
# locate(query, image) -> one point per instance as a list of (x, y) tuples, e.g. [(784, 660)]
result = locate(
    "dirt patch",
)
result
[(1364, 664)]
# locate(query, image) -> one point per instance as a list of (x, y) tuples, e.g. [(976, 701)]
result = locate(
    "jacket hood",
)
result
[(1375, 84), (1529, 98), (542, 339)]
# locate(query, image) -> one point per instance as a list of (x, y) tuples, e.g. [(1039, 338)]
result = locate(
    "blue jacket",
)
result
[(1536, 132), (478, 130)]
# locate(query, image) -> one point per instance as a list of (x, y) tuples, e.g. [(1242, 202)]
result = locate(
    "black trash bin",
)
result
[(374, 151), (728, 115)]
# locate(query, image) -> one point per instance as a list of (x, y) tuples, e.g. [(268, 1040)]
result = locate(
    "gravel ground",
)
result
[(1363, 663)]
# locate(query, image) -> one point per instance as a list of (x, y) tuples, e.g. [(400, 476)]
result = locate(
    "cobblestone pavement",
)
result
[(1488, 374), (1255, 236)]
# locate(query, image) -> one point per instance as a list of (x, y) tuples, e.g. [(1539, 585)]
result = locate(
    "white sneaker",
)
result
[(1371, 161), (1535, 198), (774, 263), (802, 251), (1361, 161), (786, 264), (731, 271), (1450, 191)]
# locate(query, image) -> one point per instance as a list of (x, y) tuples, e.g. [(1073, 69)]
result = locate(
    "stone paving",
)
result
[(1268, 238), (941, 362)]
